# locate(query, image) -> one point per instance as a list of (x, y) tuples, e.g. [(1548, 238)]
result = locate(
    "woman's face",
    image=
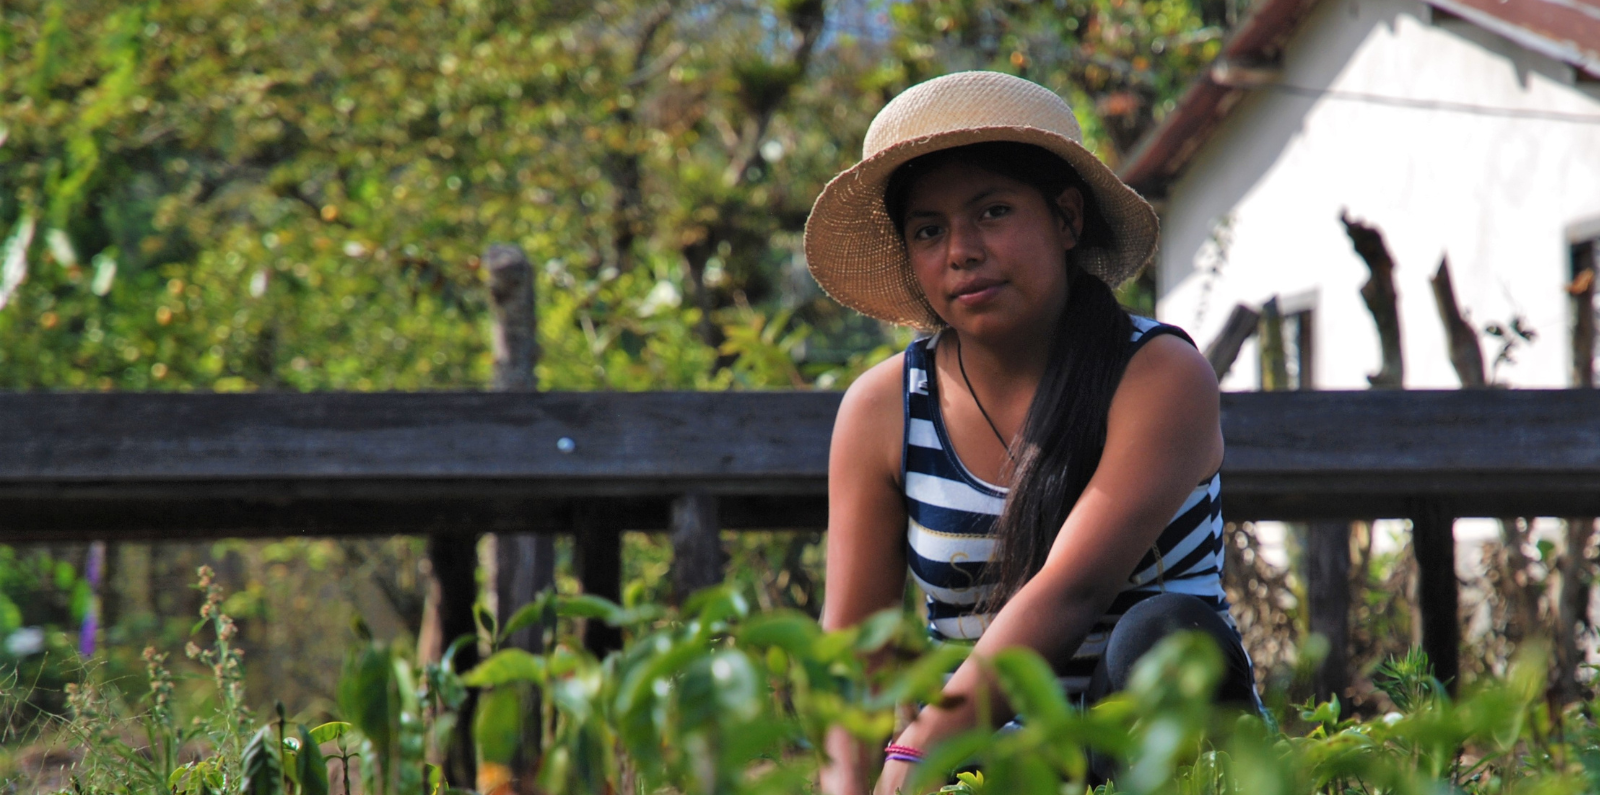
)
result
[(988, 251)]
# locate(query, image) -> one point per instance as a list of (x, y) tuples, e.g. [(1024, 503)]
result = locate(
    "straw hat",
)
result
[(854, 250)]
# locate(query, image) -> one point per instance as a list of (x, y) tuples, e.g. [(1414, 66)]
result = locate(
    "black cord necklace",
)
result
[(986, 418)]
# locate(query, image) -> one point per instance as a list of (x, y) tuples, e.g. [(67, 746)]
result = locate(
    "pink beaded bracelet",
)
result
[(902, 753)]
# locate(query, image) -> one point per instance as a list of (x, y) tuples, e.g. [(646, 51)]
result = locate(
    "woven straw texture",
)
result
[(853, 249)]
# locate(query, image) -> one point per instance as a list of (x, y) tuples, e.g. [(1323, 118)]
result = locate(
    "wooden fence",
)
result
[(526, 465), (167, 466)]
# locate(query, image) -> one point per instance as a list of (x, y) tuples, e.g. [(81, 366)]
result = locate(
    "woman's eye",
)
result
[(996, 211), (924, 232)]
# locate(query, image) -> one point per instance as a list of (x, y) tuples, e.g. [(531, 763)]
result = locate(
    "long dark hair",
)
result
[(1065, 430)]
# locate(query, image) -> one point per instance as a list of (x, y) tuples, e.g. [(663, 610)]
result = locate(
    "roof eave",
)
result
[(1564, 51), (1166, 150)]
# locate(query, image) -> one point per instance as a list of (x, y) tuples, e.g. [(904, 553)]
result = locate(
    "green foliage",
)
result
[(718, 698), (1408, 681), (226, 195), (42, 598)]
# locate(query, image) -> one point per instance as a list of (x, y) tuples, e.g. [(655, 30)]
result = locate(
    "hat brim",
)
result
[(858, 258)]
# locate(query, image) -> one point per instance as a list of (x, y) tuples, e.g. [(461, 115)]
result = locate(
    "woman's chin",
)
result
[(982, 326)]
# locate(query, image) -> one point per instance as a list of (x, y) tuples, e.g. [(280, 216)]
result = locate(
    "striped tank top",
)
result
[(952, 513)]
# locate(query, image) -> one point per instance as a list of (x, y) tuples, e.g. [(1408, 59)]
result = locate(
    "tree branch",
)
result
[(1466, 354)]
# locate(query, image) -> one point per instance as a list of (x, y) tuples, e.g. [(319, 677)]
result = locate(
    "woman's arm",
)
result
[(1163, 437), (866, 536)]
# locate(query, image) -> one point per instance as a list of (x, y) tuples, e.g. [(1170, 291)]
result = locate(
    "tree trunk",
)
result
[(1382, 302)]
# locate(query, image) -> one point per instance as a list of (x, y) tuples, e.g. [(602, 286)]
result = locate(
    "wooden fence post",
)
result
[(1433, 542), (597, 553), (1326, 562), (697, 554), (524, 563), (455, 590), (1328, 591), (1575, 566)]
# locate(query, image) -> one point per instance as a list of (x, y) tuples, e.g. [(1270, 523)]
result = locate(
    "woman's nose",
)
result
[(966, 245)]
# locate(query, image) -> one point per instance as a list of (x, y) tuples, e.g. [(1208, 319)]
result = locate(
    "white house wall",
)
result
[(1497, 194)]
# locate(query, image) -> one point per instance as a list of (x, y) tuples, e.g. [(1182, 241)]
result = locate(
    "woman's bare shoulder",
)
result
[(1169, 396), (1172, 365), (870, 421), (878, 387)]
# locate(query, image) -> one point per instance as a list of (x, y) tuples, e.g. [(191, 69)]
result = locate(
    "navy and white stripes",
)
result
[(952, 512)]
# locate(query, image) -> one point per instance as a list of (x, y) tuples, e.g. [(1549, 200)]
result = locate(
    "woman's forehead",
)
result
[(957, 183)]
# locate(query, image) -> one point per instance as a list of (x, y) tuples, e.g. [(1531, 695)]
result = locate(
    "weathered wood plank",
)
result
[(174, 465), (615, 436)]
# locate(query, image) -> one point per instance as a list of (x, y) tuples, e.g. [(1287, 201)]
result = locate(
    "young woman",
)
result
[(1034, 461)]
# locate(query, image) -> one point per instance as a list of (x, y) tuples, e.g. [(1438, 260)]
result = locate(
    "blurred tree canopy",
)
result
[(264, 194)]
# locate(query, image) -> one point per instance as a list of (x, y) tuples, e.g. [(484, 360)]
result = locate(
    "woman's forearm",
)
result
[(850, 763), (1052, 624)]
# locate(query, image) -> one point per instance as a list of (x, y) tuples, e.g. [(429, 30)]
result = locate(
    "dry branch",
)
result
[(1223, 350), (1466, 355)]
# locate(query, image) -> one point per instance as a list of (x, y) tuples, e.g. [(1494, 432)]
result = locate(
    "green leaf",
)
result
[(792, 631), (506, 666), (716, 604), (588, 606), (310, 765), (447, 660), (497, 726), (1023, 774), (259, 766), (953, 752), (878, 629), (1031, 686), (328, 732), (366, 694), (530, 614), (923, 679), (486, 619), (196, 778)]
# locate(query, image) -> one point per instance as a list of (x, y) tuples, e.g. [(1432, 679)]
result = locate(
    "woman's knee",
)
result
[(1150, 621)]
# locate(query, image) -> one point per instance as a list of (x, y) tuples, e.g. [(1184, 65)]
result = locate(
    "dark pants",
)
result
[(1144, 626), (1147, 623)]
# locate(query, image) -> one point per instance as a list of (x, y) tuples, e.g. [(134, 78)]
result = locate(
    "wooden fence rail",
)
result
[(154, 465), (168, 466)]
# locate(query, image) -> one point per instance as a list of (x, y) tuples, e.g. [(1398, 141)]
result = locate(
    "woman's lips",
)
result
[(976, 292)]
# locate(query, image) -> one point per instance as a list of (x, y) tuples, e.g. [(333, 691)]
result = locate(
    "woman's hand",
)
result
[(894, 778)]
